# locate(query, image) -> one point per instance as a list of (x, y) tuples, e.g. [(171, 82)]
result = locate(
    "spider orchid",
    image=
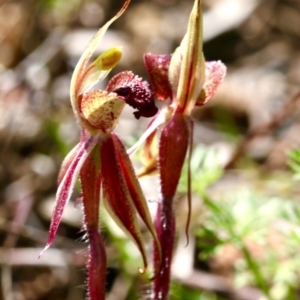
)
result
[(100, 159), (183, 80)]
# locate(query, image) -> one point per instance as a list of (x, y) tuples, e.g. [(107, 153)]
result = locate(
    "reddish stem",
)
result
[(165, 227), (96, 265), (174, 142)]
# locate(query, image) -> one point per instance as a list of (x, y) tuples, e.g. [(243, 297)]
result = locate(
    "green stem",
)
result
[(252, 265)]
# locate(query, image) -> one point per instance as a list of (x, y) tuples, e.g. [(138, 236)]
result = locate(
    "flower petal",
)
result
[(101, 109), (90, 179), (134, 188), (117, 198), (172, 152), (100, 68), (66, 186), (80, 68), (157, 67), (66, 163), (214, 75)]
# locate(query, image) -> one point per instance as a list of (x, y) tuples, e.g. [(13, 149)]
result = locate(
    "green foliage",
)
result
[(294, 162), (226, 123), (264, 230), (179, 292), (205, 170)]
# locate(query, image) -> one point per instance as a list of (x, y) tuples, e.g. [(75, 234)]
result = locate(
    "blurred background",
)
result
[(245, 229)]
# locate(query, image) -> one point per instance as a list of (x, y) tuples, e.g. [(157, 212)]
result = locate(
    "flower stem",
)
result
[(96, 265), (165, 227)]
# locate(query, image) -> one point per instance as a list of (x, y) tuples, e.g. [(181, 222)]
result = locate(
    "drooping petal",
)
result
[(66, 163), (192, 64), (90, 178), (134, 188), (80, 68), (66, 186), (117, 198), (101, 109), (173, 147), (214, 75), (157, 67)]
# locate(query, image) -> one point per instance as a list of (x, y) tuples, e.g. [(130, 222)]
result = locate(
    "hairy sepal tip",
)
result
[(45, 249)]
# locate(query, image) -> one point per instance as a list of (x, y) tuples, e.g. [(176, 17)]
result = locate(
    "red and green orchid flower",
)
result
[(100, 159), (183, 80)]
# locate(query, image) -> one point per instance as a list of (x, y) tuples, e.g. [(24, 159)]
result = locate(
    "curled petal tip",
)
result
[(46, 248), (142, 270), (158, 269)]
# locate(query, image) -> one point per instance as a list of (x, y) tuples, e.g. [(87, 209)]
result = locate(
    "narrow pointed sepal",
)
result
[(67, 184), (66, 163), (173, 147), (90, 178), (117, 197), (135, 191)]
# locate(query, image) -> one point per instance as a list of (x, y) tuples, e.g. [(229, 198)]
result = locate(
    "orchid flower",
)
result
[(100, 159), (183, 80)]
